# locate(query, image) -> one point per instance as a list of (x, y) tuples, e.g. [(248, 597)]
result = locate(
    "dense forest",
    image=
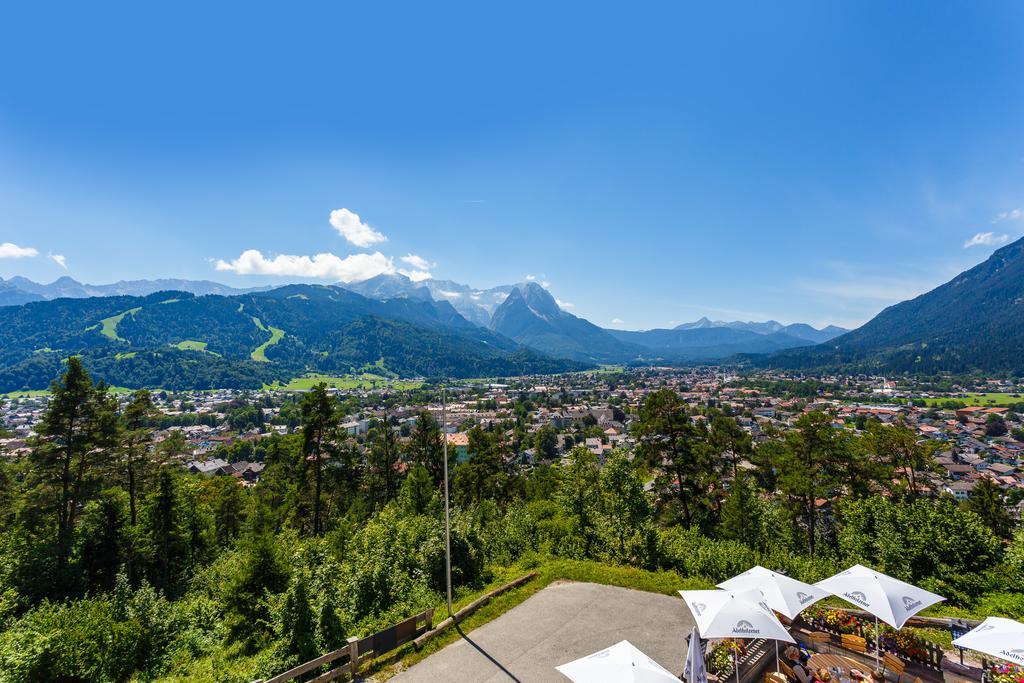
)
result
[(176, 340), (116, 564)]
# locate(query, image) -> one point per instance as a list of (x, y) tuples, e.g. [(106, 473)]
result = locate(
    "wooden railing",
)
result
[(345, 660), (930, 656), (416, 629)]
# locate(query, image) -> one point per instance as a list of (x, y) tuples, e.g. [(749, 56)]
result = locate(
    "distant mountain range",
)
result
[(973, 323), (475, 305), (181, 333), (509, 328), (178, 340), (18, 290), (531, 316), (798, 330)]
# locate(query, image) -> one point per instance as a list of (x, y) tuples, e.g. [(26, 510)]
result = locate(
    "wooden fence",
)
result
[(345, 660), (416, 629)]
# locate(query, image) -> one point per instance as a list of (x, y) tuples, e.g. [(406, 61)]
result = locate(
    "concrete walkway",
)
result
[(563, 622)]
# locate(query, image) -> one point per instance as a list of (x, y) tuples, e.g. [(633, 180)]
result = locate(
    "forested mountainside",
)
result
[(973, 323), (179, 340)]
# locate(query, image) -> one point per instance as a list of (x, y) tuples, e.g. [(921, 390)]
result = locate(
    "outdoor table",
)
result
[(829, 662)]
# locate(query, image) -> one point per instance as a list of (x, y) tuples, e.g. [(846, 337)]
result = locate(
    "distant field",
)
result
[(362, 381), (992, 399)]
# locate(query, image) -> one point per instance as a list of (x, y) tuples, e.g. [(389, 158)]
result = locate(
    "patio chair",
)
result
[(854, 643), (891, 662)]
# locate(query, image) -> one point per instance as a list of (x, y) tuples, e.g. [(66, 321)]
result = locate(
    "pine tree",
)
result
[(320, 427), (135, 442), (75, 439)]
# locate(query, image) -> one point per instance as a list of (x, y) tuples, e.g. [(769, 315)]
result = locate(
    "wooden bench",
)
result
[(891, 662), (821, 637), (854, 643)]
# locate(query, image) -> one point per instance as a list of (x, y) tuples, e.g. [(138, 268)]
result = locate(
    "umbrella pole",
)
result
[(776, 656), (878, 644), (736, 662)]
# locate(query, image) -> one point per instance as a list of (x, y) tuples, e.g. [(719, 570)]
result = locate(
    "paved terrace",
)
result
[(563, 622)]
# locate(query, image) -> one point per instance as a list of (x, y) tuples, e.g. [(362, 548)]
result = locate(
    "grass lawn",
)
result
[(362, 381), (108, 326), (988, 399)]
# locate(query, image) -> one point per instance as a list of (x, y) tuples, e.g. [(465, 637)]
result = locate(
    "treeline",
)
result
[(114, 563)]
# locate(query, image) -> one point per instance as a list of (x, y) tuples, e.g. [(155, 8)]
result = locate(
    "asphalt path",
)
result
[(563, 622)]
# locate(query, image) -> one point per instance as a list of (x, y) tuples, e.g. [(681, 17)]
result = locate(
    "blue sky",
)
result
[(653, 162)]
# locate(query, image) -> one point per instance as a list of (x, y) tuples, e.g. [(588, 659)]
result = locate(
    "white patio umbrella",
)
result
[(693, 670), (996, 636), (891, 600), (786, 596), (734, 614), (620, 663)]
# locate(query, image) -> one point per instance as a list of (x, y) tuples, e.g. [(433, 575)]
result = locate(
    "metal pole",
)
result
[(878, 643), (447, 514), (736, 660)]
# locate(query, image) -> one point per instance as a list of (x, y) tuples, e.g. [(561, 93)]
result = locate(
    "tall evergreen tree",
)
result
[(135, 441), (320, 431), (75, 440)]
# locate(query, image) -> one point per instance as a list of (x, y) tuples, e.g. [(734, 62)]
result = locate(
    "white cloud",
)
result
[(416, 275), (985, 239), (616, 321), (531, 278), (11, 250), (1011, 215), (417, 262), (420, 267), (545, 284), (60, 260), (324, 266), (353, 229), (564, 304), (449, 295)]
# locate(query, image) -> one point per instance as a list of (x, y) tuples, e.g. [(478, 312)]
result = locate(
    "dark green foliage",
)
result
[(933, 543), (297, 625), (989, 503)]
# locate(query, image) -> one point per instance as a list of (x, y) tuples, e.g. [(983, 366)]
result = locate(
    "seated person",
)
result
[(798, 663)]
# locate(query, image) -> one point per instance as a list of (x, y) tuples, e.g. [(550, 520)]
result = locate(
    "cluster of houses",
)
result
[(594, 411)]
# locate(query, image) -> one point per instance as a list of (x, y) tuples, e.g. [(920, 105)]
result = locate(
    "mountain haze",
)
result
[(973, 323)]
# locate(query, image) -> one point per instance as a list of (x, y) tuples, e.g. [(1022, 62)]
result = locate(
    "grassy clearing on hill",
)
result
[(193, 345), (276, 335), (108, 326)]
